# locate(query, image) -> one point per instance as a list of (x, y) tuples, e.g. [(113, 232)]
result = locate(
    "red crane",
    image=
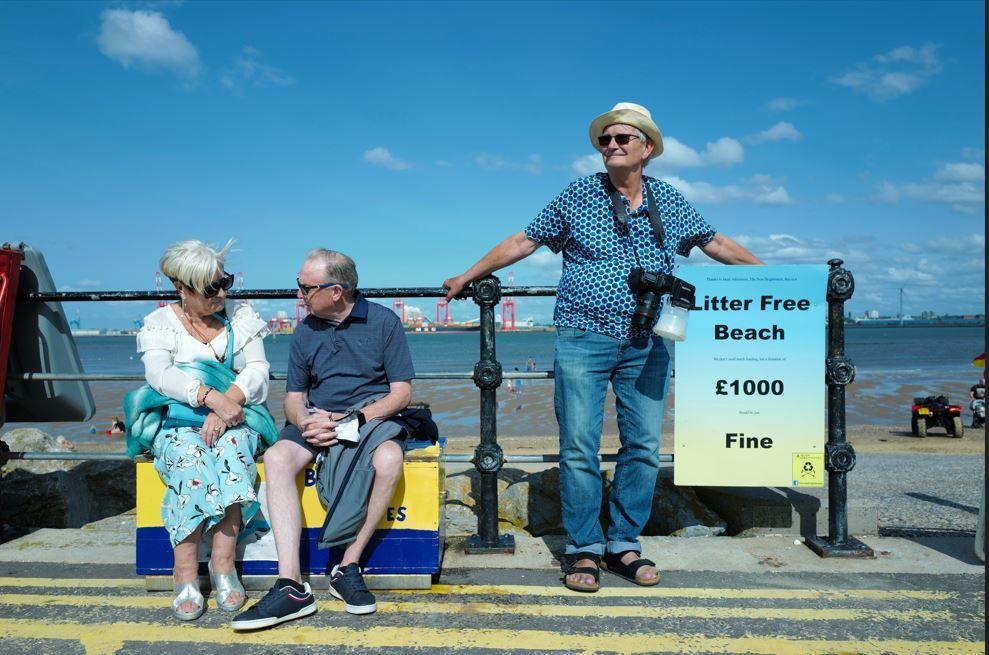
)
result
[(445, 306), (301, 311), (162, 302), (398, 306), (508, 307)]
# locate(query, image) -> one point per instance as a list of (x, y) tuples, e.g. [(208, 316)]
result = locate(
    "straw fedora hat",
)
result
[(628, 113)]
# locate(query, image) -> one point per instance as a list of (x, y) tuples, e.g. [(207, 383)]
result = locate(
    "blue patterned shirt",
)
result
[(593, 292)]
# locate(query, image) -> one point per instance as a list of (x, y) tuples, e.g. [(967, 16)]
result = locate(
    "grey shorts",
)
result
[(292, 433)]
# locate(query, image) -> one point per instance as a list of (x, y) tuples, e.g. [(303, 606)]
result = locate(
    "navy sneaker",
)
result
[(287, 600), (347, 584)]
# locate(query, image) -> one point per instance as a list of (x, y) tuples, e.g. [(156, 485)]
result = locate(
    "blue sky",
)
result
[(416, 136)]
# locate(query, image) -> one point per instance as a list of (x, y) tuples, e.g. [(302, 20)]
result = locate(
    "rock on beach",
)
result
[(60, 493)]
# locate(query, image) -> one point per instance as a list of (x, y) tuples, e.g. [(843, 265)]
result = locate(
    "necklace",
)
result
[(199, 335)]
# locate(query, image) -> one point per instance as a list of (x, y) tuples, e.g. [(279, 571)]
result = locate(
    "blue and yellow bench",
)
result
[(405, 552)]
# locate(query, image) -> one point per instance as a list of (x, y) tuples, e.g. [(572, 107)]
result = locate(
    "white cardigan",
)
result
[(165, 342)]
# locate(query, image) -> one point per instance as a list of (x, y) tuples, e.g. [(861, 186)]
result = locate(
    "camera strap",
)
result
[(655, 219)]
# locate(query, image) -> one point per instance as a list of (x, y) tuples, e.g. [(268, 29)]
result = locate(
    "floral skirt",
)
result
[(202, 482)]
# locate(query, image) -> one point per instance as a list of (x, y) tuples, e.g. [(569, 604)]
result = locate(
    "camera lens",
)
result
[(646, 304)]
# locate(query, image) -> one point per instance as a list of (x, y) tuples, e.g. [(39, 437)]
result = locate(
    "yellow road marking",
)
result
[(554, 590), (420, 607), (104, 638), (688, 592), (69, 583)]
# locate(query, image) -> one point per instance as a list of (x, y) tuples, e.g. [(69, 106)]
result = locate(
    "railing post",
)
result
[(839, 455), (488, 456)]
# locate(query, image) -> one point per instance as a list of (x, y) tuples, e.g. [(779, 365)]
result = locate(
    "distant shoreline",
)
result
[(548, 328)]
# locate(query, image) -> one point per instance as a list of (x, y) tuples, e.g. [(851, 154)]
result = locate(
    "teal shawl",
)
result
[(144, 409)]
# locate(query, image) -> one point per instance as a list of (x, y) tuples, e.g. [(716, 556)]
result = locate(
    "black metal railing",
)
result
[(839, 456), (489, 458)]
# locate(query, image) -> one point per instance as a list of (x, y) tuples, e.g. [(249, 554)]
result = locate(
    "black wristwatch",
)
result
[(356, 414)]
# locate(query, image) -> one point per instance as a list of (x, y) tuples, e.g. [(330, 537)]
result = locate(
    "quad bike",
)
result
[(936, 412)]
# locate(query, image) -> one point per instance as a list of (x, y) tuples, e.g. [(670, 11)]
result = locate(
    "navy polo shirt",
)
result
[(342, 365)]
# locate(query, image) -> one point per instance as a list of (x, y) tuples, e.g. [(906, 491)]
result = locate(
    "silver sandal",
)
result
[(225, 584), (185, 592)]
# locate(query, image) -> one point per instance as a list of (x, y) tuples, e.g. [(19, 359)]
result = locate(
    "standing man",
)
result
[(348, 354), (601, 242)]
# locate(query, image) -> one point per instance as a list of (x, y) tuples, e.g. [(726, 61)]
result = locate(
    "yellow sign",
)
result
[(808, 469)]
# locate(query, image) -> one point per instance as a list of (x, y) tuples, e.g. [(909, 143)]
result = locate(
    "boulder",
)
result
[(530, 501), (58, 499), (32, 439), (678, 512), (60, 493)]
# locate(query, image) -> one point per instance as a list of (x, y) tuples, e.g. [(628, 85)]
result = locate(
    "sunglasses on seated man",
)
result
[(306, 289)]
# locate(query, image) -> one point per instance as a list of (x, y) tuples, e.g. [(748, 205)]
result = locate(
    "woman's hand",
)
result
[(230, 413), (213, 429)]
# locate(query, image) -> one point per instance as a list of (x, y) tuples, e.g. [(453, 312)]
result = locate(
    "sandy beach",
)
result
[(527, 424)]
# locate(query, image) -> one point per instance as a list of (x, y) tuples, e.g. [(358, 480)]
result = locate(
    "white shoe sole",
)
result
[(257, 624), (354, 609)]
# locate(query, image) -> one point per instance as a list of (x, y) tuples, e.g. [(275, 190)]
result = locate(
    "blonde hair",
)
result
[(193, 263)]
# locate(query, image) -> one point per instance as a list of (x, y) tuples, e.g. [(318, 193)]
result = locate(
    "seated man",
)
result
[(347, 354)]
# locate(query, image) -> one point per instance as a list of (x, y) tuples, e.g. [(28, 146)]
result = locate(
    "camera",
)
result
[(649, 288)]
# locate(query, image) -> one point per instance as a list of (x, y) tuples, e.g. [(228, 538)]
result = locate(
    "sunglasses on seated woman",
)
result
[(226, 283)]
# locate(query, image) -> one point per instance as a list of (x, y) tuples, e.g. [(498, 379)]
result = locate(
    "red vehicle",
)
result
[(936, 412)]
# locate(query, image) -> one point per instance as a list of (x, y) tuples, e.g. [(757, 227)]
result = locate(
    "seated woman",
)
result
[(201, 416)]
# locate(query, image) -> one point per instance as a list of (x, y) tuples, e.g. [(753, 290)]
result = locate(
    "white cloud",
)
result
[(782, 131), (960, 185), (724, 152), (249, 68), (945, 274), (952, 193), (783, 104), (145, 39), (753, 191), (961, 172), (587, 165), (948, 246), (678, 155), (790, 249), (442, 163), (533, 165), (892, 74), (835, 198), (973, 153), (381, 156), (544, 258)]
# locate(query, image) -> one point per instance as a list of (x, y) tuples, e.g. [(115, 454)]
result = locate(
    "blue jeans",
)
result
[(638, 370)]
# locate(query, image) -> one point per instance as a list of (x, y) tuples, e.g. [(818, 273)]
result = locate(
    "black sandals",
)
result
[(594, 571), (613, 564)]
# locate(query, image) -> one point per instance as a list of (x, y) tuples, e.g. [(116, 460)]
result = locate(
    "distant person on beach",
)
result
[(116, 426), (596, 343), (530, 364), (202, 417), (349, 368), (978, 390)]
